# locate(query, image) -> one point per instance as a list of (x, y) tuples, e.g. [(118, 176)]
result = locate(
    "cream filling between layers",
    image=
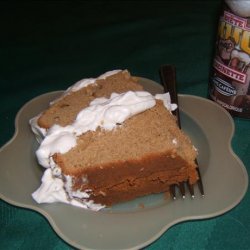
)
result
[(102, 112), (39, 132)]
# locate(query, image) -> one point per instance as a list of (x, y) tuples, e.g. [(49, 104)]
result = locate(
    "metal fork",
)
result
[(168, 80)]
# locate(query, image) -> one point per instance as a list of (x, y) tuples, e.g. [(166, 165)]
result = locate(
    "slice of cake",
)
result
[(119, 147), (64, 110)]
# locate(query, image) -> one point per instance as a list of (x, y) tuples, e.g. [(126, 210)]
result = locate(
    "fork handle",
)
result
[(168, 80)]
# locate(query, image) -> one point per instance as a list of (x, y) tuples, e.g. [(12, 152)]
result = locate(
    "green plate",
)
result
[(134, 224)]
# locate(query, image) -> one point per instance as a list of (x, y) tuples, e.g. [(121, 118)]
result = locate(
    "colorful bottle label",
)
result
[(230, 78)]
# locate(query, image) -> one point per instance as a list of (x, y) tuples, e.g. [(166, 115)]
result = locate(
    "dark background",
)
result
[(49, 45)]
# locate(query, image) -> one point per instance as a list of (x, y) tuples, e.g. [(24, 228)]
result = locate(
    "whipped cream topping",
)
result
[(85, 82), (166, 101), (36, 129), (102, 112), (52, 190)]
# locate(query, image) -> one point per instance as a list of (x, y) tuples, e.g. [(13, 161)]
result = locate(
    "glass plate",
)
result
[(137, 223)]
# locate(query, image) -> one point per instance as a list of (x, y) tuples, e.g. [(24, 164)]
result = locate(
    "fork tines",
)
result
[(182, 186), (182, 189), (168, 79)]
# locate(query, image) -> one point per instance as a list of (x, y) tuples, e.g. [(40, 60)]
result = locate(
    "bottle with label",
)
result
[(230, 77)]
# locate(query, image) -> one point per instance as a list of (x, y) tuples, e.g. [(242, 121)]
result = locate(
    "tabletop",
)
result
[(49, 45)]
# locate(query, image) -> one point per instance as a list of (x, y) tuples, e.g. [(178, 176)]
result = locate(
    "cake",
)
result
[(122, 144), (64, 110)]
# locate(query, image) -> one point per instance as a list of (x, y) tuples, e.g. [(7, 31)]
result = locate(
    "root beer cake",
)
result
[(120, 145)]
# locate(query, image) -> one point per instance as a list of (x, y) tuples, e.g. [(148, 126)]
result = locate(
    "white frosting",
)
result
[(166, 101), (85, 82), (52, 190), (37, 130), (102, 112)]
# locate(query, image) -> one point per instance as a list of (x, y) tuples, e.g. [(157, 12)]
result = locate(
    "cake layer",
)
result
[(64, 110), (146, 149), (128, 180), (152, 131), (129, 190)]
